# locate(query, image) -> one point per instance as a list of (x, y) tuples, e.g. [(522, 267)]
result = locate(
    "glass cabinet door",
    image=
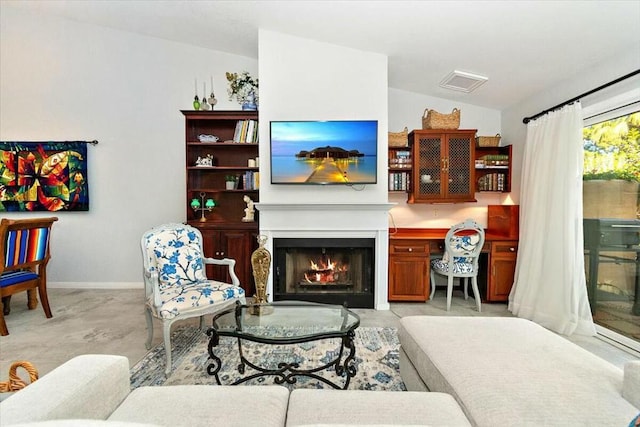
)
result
[(459, 157), (430, 167)]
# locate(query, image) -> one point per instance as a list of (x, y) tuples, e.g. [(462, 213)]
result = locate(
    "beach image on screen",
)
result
[(324, 152)]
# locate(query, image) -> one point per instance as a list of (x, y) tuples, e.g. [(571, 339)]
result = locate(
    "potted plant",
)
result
[(230, 182), (244, 89)]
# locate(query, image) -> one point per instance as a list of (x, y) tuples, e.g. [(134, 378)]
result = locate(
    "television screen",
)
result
[(324, 152)]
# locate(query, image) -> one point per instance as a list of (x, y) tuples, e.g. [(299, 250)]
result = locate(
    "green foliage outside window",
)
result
[(612, 149)]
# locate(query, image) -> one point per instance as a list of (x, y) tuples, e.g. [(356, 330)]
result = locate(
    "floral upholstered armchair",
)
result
[(463, 244), (176, 286)]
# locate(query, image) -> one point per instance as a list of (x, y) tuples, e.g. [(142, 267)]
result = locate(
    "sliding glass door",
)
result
[(612, 224)]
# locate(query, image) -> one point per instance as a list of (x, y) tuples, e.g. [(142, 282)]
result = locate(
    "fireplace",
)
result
[(327, 270)]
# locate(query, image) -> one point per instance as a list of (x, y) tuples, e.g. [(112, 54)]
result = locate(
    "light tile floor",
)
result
[(112, 322)]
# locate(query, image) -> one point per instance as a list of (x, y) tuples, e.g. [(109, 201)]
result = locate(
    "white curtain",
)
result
[(550, 285)]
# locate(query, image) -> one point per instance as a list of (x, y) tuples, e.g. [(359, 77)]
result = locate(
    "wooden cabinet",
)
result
[(443, 166), (408, 270), (493, 169), (400, 166), (224, 232), (503, 268), (235, 243)]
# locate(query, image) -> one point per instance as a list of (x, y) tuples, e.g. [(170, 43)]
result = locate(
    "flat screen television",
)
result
[(324, 152)]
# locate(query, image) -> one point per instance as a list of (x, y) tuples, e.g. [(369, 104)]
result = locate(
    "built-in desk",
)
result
[(410, 251)]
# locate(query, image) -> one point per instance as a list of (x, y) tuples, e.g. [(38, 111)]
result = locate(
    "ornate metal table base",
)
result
[(288, 372)]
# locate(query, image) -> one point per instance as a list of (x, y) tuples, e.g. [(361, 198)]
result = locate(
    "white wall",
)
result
[(302, 79), (62, 80), (407, 109), (609, 69)]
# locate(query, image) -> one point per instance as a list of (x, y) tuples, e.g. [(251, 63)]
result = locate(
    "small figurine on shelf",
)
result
[(248, 211), (205, 161)]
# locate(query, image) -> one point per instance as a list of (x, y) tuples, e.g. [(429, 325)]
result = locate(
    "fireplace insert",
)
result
[(325, 270)]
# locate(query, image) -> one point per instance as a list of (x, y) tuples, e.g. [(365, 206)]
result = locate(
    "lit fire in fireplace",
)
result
[(325, 272)]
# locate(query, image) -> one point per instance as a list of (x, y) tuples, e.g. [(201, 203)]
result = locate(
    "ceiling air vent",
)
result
[(462, 81)]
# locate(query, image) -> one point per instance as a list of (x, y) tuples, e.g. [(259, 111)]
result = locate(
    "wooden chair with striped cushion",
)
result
[(24, 246)]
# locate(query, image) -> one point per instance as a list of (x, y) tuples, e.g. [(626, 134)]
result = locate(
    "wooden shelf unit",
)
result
[(400, 166), (495, 172), (224, 232)]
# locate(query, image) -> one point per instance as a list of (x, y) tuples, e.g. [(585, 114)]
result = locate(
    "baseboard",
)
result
[(95, 285)]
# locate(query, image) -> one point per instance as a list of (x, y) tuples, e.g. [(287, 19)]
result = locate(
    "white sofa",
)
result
[(507, 371), (94, 390)]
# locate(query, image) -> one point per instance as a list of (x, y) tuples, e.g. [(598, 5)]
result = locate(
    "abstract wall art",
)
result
[(44, 176)]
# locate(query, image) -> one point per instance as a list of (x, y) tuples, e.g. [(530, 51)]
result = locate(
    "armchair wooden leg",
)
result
[(32, 299), (42, 290), (6, 305), (3, 326)]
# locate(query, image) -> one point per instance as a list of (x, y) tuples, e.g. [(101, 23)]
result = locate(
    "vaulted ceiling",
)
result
[(523, 47)]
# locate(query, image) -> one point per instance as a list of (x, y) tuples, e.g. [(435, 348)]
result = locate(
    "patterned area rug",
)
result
[(376, 360)]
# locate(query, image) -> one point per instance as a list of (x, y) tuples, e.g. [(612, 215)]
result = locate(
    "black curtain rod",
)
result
[(93, 142), (577, 98)]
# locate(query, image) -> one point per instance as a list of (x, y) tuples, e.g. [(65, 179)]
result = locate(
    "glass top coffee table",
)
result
[(285, 323)]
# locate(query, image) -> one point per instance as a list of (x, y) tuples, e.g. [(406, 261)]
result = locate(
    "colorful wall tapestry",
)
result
[(43, 176)]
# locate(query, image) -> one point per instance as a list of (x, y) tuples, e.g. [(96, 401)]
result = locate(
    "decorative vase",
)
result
[(261, 264), (250, 103)]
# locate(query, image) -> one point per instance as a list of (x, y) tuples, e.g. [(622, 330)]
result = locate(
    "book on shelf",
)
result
[(246, 131), (399, 181), (492, 182)]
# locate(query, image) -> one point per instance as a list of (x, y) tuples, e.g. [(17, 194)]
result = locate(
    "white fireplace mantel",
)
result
[(284, 220), (324, 206)]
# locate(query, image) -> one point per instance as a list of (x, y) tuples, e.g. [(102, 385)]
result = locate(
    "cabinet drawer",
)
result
[(437, 246), (409, 247), (504, 248)]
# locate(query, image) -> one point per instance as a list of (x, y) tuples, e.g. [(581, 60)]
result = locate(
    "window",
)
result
[(612, 224)]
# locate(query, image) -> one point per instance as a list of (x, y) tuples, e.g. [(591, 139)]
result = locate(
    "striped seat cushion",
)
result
[(13, 277)]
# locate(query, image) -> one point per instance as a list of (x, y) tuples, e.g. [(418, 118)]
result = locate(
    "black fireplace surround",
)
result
[(324, 270)]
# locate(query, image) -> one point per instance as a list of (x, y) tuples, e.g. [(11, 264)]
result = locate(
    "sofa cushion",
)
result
[(631, 383), (364, 407), (511, 371), (205, 405), (87, 386), (83, 423)]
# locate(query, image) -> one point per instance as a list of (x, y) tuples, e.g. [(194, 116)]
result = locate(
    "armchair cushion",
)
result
[(442, 266), (12, 277), (191, 296)]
